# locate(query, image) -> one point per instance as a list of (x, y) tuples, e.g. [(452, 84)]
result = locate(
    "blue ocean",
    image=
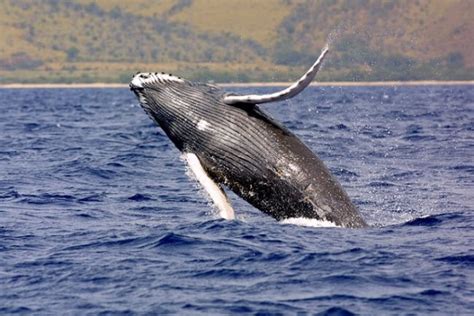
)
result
[(98, 213)]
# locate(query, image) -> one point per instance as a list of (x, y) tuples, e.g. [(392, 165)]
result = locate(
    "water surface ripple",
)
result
[(97, 214)]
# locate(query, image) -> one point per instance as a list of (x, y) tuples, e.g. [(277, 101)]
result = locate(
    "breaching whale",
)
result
[(229, 141)]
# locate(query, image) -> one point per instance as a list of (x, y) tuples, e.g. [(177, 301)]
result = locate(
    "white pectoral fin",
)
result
[(287, 93), (216, 193)]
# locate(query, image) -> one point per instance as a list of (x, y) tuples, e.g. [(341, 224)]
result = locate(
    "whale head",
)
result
[(153, 86), (179, 106)]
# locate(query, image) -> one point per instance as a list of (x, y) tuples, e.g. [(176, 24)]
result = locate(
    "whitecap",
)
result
[(309, 222)]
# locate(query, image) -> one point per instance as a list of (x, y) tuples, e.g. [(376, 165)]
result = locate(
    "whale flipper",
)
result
[(287, 93), (216, 193)]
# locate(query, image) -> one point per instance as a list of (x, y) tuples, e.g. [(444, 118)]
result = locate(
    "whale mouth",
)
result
[(135, 88), (137, 83)]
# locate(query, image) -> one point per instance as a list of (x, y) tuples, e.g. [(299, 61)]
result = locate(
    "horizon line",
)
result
[(248, 84)]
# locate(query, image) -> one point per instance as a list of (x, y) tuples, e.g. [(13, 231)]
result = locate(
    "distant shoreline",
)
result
[(243, 84)]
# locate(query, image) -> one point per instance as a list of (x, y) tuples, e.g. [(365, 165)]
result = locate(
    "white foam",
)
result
[(308, 222)]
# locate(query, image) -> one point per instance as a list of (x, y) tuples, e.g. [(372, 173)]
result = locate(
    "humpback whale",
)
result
[(228, 141)]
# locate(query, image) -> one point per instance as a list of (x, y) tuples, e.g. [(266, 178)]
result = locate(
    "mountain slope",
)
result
[(107, 40)]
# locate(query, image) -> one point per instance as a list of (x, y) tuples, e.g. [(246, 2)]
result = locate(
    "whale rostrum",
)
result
[(228, 141)]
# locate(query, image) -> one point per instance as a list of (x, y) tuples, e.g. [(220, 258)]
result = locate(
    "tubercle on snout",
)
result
[(141, 79)]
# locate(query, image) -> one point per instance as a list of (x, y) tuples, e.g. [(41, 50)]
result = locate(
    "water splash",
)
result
[(308, 222)]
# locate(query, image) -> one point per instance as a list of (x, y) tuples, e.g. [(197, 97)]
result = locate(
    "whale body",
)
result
[(229, 141)]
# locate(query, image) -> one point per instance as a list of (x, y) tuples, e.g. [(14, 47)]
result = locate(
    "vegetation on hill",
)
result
[(235, 40)]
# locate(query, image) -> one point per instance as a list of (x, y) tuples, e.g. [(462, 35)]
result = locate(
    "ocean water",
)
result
[(99, 216)]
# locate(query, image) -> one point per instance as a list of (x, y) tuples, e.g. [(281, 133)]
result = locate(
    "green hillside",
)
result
[(235, 40)]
